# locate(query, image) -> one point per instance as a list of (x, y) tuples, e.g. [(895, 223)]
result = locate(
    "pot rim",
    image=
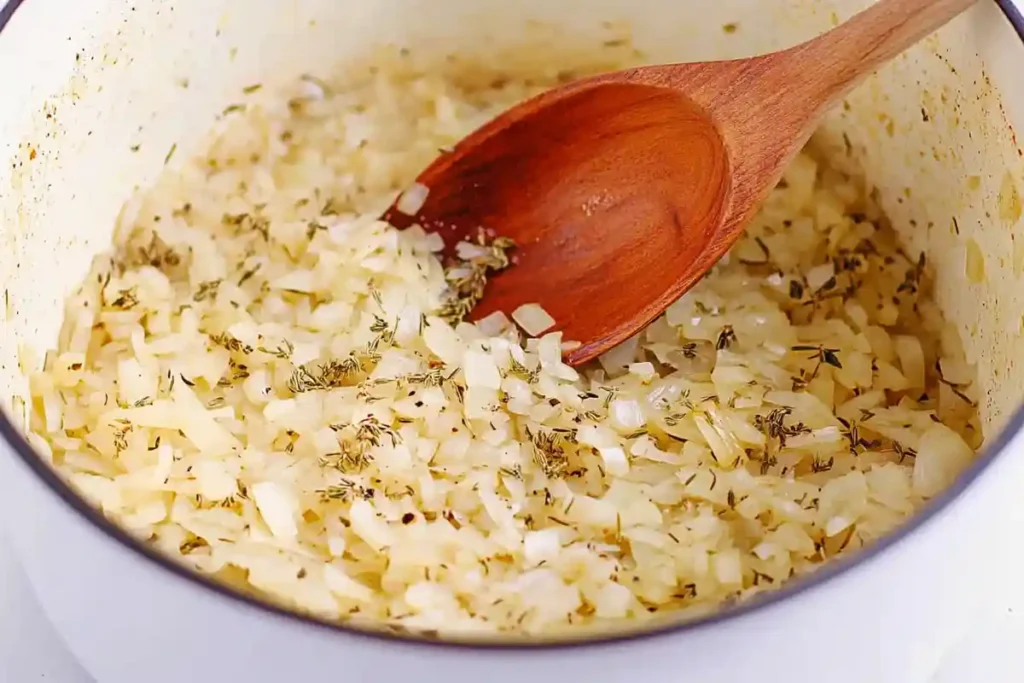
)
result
[(163, 563)]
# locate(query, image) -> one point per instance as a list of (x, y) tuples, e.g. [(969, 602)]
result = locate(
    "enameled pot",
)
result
[(84, 83)]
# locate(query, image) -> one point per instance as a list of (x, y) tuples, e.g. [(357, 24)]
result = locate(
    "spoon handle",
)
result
[(841, 58), (765, 108), (771, 103), (798, 85), (768, 106)]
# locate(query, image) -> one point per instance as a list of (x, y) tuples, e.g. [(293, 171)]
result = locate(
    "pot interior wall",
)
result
[(118, 89)]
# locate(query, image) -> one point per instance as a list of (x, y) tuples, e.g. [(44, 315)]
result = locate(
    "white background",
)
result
[(30, 650)]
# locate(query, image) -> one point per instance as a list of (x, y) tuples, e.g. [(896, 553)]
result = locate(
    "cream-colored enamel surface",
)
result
[(108, 94)]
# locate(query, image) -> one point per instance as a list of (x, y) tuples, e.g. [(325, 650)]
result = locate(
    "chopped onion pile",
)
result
[(270, 384)]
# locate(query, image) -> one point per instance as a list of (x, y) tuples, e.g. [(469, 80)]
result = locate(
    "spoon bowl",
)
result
[(620, 191), (553, 181)]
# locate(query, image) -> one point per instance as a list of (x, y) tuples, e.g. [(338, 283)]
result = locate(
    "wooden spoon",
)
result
[(622, 190)]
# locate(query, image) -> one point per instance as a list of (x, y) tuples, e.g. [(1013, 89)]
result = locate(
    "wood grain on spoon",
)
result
[(622, 190)]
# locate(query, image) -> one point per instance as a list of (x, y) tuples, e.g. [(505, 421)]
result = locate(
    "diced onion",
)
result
[(411, 201), (533, 319)]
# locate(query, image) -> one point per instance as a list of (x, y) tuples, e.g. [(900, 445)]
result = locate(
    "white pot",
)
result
[(83, 82)]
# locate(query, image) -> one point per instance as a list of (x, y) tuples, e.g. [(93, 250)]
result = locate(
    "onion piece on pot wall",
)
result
[(941, 455)]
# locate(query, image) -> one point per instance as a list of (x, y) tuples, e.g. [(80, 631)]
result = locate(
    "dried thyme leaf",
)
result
[(230, 343), (283, 351), (207, 290), (333, 373), (726, 338), (549, 450), (126, 299), (468, 278)]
